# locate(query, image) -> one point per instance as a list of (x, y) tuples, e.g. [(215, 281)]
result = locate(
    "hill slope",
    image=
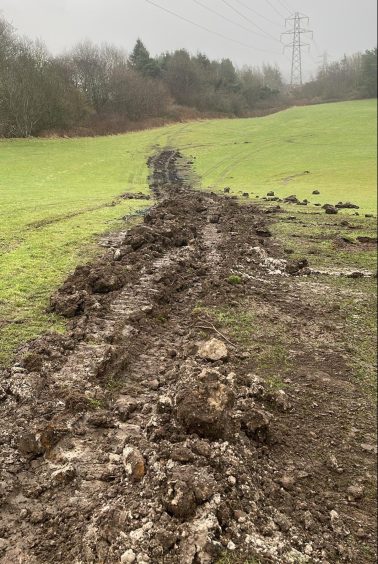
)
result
[(57, 196)]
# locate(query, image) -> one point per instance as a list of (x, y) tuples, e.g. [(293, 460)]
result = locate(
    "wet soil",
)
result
[(145, 434)]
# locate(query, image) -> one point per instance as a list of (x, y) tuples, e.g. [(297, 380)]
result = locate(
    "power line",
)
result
[(316, 45), (200, 26), (249, 20), (227, 19), (275, 9), (285, 6), (297, 46), (258, 14)]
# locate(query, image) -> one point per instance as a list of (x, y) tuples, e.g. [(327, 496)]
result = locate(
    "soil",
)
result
[(144, 434)]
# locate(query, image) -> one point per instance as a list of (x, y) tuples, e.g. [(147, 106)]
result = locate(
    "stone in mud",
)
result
[(153, 384), (134, 463), (188, 488), (255, 424), (128, 557), (287, 482), (316, 192), (203, 406), (101, 419), (63, 475), (117, 254), (245, 195), (271, 194), (330, 210), (213, 350), (164, 404), (347, 206), (182, 454), (125, 406), (180, 501), (28, 444), (372, 449), (202, 448), (167, 539), (294, 267), (265, 233), (356, 274), (355, 492), (291, 199)]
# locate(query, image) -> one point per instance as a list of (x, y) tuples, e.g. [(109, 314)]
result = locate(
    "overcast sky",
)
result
[(340, 26)]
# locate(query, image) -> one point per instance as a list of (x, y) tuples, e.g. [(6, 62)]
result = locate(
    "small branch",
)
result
[(211, 327)]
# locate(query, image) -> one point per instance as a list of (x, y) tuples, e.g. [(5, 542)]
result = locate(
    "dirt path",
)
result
[(152, 434)]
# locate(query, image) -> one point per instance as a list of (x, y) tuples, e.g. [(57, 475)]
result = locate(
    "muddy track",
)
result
[(143, 435)]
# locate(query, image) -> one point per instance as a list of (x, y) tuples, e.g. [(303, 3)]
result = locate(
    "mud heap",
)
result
[(143, 435)]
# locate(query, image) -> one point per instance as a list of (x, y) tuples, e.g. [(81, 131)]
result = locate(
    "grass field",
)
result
[(56, 195)]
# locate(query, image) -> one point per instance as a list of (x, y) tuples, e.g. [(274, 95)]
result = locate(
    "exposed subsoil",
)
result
[(144, 434)]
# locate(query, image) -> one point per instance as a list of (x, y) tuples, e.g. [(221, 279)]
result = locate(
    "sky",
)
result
[(246, 31)]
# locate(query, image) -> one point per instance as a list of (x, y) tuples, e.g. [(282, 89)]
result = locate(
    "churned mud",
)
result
[(145, 435)]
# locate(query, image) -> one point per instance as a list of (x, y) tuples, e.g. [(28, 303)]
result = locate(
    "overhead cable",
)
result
[(208, 30)]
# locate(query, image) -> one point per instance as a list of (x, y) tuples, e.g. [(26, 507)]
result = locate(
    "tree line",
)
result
[(100, 84), (350, 78)]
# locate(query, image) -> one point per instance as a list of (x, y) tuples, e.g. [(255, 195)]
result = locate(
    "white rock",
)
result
[(231, 546), (334, 516), (128, 557), (213, 350), (64, 474), (308, 549), (134, 463), (137, 534)]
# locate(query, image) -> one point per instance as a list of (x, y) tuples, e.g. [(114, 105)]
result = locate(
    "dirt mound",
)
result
[(144, 434)]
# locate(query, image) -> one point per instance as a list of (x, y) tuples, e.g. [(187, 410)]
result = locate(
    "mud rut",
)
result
[(123, 442)]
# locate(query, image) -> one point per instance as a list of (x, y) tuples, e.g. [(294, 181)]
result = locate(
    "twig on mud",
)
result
[(219, 333)]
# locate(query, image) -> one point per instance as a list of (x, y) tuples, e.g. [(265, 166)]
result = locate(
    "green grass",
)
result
[(56, 194), (319, 238), (335, 142), (55, 198), (358, 311)]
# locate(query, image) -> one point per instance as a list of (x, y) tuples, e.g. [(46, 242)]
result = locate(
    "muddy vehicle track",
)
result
[(144, 435)]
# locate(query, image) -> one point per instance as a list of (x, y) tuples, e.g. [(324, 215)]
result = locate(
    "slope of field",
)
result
[(57, 196), (334, 142)]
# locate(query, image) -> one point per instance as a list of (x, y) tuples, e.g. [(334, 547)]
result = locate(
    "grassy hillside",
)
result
[(335, 142), (56, 195)]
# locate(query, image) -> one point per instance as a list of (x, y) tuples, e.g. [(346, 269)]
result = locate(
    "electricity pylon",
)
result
[(297, 46)]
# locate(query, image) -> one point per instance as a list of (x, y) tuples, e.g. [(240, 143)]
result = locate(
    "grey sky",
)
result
[(340, 26)]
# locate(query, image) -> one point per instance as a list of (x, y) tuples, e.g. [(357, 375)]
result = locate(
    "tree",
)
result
[(182, 77), (141, 61), (136, 96), (272, 77), (369, 73)]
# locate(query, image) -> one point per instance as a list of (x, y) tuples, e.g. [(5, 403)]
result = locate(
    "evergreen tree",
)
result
[(141, 61)]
